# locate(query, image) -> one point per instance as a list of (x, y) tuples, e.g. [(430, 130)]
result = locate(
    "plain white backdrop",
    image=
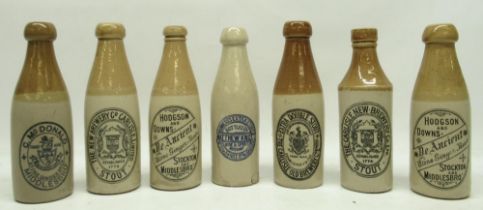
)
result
[(400, 25)]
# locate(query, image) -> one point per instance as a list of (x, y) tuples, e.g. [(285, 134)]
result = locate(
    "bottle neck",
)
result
[(40, 72), (440, 76), (365, 72), (235, 57), (297, 73), (111, 74), (175, 76)]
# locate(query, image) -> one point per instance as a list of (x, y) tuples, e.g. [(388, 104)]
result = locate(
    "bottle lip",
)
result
[(440, 33), (234, 36), (110, 30), (175, 31), (297, 29), (364, 35), (40, 31)]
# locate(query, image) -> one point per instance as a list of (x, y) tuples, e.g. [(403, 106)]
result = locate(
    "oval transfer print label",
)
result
[(175, 142), (236, 137), (441, 148), (112, 144), (298, 143), (366, 139), (45, 155)]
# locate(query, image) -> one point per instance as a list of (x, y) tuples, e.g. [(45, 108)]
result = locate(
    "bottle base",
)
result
[(366, 191), (440, 197), (298, 187), (45, 201), (226, 184), (175, 189), (114, 193)]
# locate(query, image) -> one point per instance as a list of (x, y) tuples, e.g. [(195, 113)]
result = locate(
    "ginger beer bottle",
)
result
[(234, 115), (175, 118), (111, 117), (41, 123), (298, 113), (440, 120), (365, 105)]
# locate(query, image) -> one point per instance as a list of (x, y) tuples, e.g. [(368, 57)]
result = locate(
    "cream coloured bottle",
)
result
[(234, 115), (175, 118), (111, 117), (440, 120), (298, 113), (365, 110), (41, 123)]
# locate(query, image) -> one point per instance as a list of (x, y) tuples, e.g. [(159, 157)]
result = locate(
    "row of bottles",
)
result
[(42, 122)]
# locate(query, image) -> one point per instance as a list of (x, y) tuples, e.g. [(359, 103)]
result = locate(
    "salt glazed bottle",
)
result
[(175, 118), (298, 113), (41, 123), (234, 115), (111, 117), (440, 120), (365, 110)]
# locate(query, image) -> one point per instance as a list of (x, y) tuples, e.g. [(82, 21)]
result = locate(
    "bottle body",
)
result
[(42, 148), (111, 117), (365, 118), (299, 128), (175, 126), (235, 120)]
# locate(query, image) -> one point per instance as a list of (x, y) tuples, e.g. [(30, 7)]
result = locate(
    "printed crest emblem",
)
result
[(112, 144), (236, 137), (175, 142), (366, 139), (298, 142), (45, 155), (441, 148)]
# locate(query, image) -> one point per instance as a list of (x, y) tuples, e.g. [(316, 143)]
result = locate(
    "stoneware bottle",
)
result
[(234, 115), (440, 120), (41, 123), (298, 113), (111, 117), (365, 106), (175, 118)]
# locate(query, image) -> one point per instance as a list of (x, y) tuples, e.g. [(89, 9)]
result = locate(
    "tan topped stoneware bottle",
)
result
[(440, 120), (41, 123), (234, 115), (298, 113), (175, 118), (111, 117), (365, 107)]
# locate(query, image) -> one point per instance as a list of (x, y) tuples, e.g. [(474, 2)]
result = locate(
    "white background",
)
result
[(400, 49)]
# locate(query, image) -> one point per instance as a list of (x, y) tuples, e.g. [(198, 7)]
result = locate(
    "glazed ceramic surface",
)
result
[(298, 113), (234, 115), (175, 118), (41, 123), (440, 120), (111, 117)]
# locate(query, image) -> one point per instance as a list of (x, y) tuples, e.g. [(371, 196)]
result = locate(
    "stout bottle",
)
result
[(234, 115), (175, 118), (440, 120), (41, 123), (365, 105), (111, 117), (298, 113)]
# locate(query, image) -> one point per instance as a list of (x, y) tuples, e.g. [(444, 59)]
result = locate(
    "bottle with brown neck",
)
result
[(298, 113), (234, 115), (440, 120), (41, 123), (175, 112), (111, 117), (365, 109)]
